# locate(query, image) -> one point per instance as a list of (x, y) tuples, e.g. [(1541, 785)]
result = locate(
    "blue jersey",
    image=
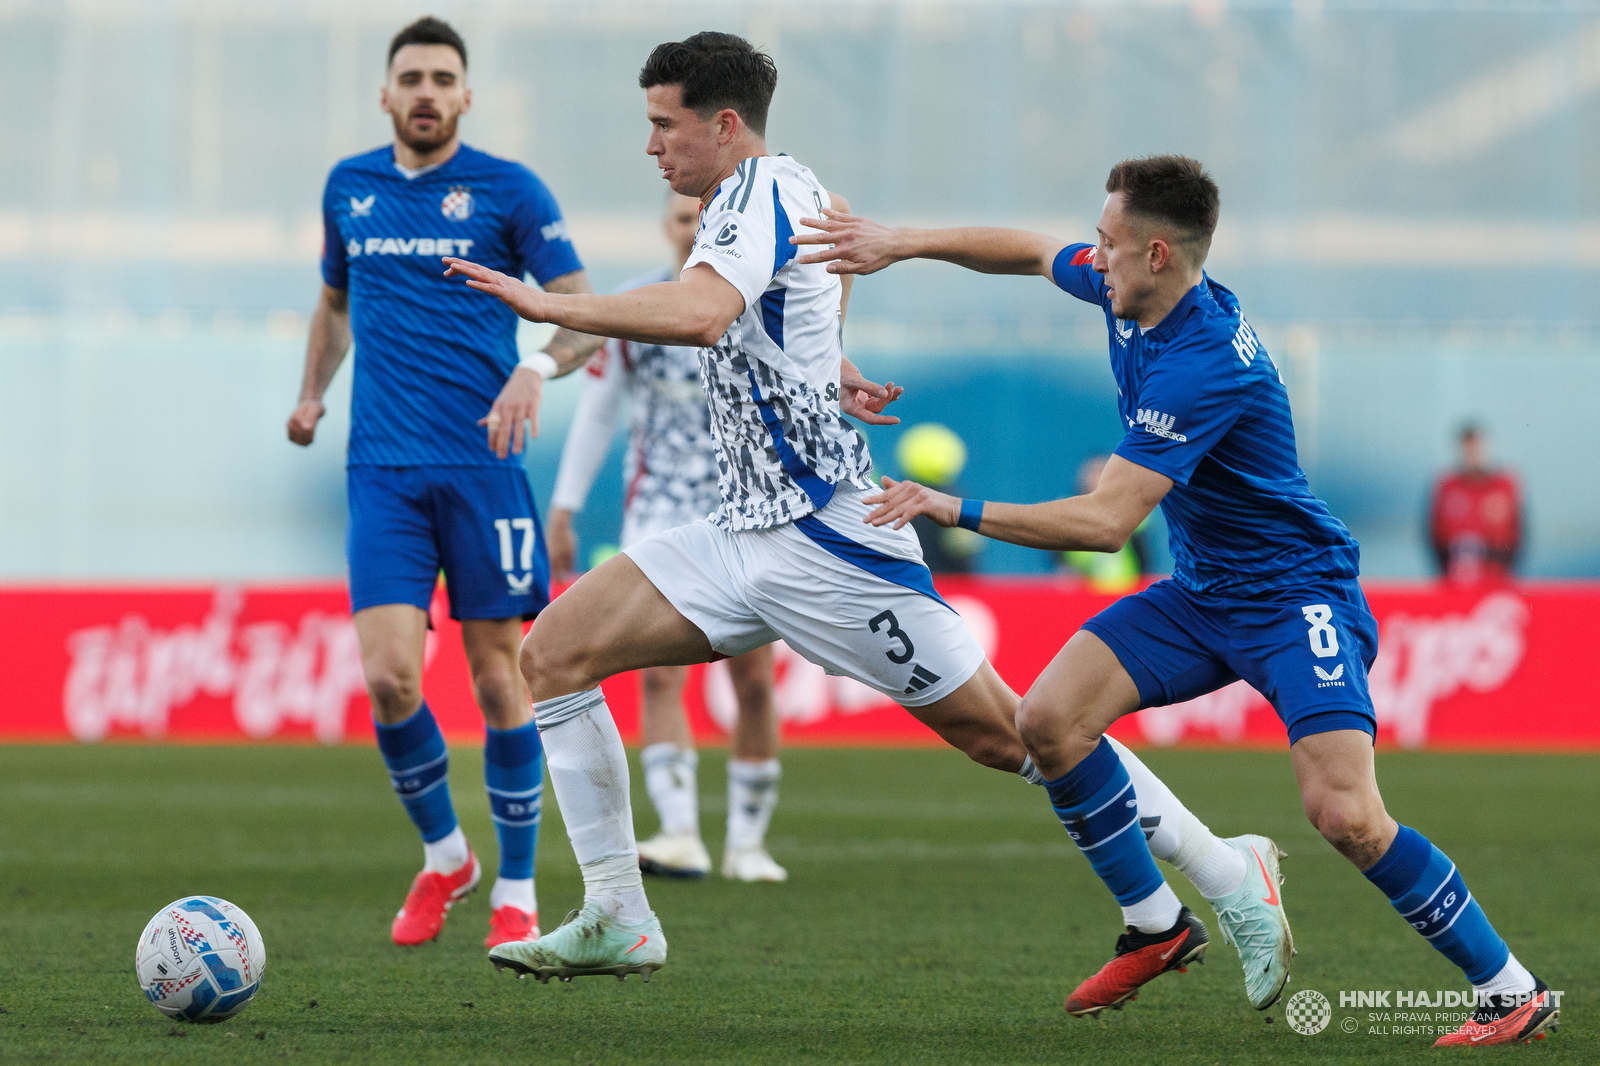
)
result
[(431, 353), (1203, 403)]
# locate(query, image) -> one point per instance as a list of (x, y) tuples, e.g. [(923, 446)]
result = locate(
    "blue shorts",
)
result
[(476, 523), (1307, 649)]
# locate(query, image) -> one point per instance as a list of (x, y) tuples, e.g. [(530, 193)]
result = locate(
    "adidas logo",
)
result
[(1330, 680), (921, 678)]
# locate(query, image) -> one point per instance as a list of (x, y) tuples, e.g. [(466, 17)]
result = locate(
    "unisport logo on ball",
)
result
[(200, 959), (1308, 1012)]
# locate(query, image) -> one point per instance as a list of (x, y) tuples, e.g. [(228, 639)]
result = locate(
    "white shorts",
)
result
[(854, 599)]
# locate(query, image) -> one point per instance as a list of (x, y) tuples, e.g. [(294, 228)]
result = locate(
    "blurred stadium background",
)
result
[(1408, 217)]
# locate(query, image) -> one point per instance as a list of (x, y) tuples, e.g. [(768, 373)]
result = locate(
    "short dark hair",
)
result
[(716, 71), (1173, 189), (429, 30), (1469, 431)]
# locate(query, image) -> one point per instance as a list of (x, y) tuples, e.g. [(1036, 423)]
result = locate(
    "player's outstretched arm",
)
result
[(695, 310), (1101, 520), (326, 348), (856, 245)]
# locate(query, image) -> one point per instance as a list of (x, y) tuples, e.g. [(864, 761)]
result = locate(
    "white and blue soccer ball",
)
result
[(200, 959)]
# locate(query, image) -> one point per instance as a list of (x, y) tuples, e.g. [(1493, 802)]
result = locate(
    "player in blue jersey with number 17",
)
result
[(427, 492), (1263, 588)]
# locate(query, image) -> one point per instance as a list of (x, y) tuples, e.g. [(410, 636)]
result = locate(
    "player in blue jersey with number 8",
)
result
[(436, 372), (1263, 588)]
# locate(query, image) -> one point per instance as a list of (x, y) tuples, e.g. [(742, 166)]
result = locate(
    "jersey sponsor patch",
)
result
[(1083, 257), (1159, 424), (429, 246)]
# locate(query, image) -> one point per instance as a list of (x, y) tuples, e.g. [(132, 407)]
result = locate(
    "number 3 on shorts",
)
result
[(895, 633), (1324, 640)]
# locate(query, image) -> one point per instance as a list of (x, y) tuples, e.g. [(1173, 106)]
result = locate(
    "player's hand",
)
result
[(303, 422), (860, 245), (515, 412), (561, 542), (865, 400), (901, 501), (522, 298)]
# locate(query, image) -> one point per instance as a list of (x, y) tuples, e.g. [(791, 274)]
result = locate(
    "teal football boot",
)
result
[(588, 944), (1253, 921)]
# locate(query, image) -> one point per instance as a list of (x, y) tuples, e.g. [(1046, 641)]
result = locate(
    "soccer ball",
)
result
[(200, 959)]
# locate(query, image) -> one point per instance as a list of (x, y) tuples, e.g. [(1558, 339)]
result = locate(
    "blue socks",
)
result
[(1426, 888), (1096, 802), (418, 763), (513, 772)]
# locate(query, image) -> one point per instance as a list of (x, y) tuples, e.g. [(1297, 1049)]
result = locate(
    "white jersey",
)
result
[(670, 471), (773, 377)]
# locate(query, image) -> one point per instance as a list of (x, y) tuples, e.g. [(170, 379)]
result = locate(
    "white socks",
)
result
[(1512, 978), (513, 892), (752, 795), (1213, 867), (589, 771), (1156, 913), (669, 778), (447, 854), (1178, 837)]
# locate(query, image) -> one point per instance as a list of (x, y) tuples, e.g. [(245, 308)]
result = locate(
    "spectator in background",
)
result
[(935, 456), (1114, 572), (1475, 521)]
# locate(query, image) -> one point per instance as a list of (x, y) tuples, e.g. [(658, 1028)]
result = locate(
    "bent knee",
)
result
[(394, 693), (497, 691), (1045, 723), (662, 681), (1349, 820), (553, 666)]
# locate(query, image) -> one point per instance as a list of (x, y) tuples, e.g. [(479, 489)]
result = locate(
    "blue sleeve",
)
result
[(1187, 403), (1073, 272), (539, 237), (335, 265)]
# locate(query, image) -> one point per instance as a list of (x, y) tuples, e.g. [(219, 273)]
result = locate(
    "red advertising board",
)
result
[(1496, 669)]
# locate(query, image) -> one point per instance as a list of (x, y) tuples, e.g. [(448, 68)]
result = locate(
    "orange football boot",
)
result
[(1507, 1020), (509, 923), (430, 899), (1140, 958)]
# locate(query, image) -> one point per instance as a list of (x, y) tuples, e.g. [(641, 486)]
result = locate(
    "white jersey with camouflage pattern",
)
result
[(773, 377)]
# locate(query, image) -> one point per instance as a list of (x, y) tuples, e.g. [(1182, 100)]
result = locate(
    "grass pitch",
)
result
[(936, 912)]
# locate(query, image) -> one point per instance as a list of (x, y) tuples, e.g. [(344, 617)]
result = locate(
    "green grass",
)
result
[(936, 912)]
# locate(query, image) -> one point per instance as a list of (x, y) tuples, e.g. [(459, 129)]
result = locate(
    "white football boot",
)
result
[(674, 855), (751, 864)]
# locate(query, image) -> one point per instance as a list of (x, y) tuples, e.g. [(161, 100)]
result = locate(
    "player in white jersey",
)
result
[(670, 480), (787, 554)]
